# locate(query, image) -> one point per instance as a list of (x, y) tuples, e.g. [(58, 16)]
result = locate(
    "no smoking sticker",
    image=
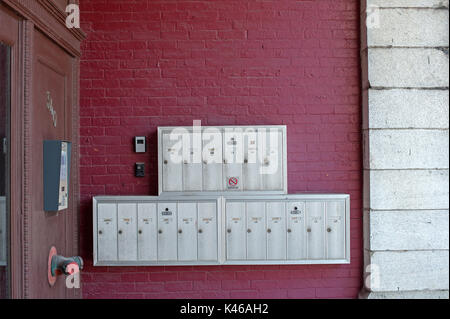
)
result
[(233, 183)]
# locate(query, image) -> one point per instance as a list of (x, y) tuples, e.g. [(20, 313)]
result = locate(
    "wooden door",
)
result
[(52, 83), (44, 106)]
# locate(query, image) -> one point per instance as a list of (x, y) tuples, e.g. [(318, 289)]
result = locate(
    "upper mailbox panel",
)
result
[(222, 159)]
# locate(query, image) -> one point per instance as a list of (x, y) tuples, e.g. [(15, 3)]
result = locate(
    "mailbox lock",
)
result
[(140, 231), (160, 231), (289, 230), (100, 232), (224, 161), (228, 231), (120, 232), (249, 230), (167, 209), (165, 161), (179, 231), (269, 230), (295, 208), (308, 230), (329, 229), (246, 161), (205, 162), (200, 231)]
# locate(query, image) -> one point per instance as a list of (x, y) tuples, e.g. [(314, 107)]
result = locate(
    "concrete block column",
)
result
[(405, 59)]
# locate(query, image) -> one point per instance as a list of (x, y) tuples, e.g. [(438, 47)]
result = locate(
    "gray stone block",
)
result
[(407, 149), (409, 271), (409, 189), (408, 230), (408, 68), (410, 28), (399, 108), (409, 3), (422, 294)]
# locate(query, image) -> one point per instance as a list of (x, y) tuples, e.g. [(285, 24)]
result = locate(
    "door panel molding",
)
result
[(48, 17)]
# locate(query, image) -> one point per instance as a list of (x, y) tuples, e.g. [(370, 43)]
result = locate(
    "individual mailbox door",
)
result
[(276, 230), (172, 162), (167, 231), (335, 230), (251, 174), (233, 159), (207, 232), (187, 231), (271, 140), (147, 232), (296, 232), (127, 238), (212, 160), (235, 236), (106, 232), (315, 215), (192, 162), (256, 231)]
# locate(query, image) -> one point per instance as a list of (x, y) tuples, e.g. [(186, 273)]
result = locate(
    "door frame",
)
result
[(48, 18)]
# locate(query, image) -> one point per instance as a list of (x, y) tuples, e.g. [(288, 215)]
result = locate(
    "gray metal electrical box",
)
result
[(57, 155)]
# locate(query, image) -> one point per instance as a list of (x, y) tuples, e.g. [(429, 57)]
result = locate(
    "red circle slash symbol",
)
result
[(233, 181)]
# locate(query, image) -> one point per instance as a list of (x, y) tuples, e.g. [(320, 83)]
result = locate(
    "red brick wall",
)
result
[(152, 63)]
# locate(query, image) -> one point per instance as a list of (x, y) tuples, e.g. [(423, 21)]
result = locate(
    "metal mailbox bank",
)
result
[(205, 230), (152, 230), (223, 159)]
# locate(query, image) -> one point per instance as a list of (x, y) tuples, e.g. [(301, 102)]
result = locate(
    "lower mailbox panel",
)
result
[(155, 231), (286, 229), (237, 230)]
